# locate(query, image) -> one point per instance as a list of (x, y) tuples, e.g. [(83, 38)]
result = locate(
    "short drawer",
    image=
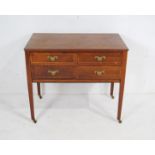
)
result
[(101, 58), (53, 58), (95, 72), (52, 72)]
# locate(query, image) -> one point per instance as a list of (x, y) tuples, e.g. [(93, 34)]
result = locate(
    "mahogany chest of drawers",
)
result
[(76, 58)]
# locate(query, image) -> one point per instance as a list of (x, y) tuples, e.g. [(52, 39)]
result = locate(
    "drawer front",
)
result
[(95, 72), (52, 72), (100, 58), (53, 58)]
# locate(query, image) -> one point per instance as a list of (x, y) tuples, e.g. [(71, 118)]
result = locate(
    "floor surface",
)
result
[(77, 116)]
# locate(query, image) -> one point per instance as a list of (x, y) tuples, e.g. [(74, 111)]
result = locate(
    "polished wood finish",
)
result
[(76, 58), (100, 58), (74, 72), (76, 42), (98, 72), (52, 58), (52, 72)]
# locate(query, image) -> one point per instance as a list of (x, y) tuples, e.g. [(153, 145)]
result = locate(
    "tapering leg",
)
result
[(30, 91), (121, 91), (30, 86), (121, 86), (38, 88), (112, 90)]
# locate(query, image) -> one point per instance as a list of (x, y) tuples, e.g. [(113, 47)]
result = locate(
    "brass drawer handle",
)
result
[(52, 58), (99, 73), (100, 58), (53, 72)]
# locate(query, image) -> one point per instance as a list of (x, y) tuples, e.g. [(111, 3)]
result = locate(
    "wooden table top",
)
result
[(75, 41)]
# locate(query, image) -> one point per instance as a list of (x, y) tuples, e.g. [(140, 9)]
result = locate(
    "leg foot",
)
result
[(34, 120), (119, 121), (112, 97)]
